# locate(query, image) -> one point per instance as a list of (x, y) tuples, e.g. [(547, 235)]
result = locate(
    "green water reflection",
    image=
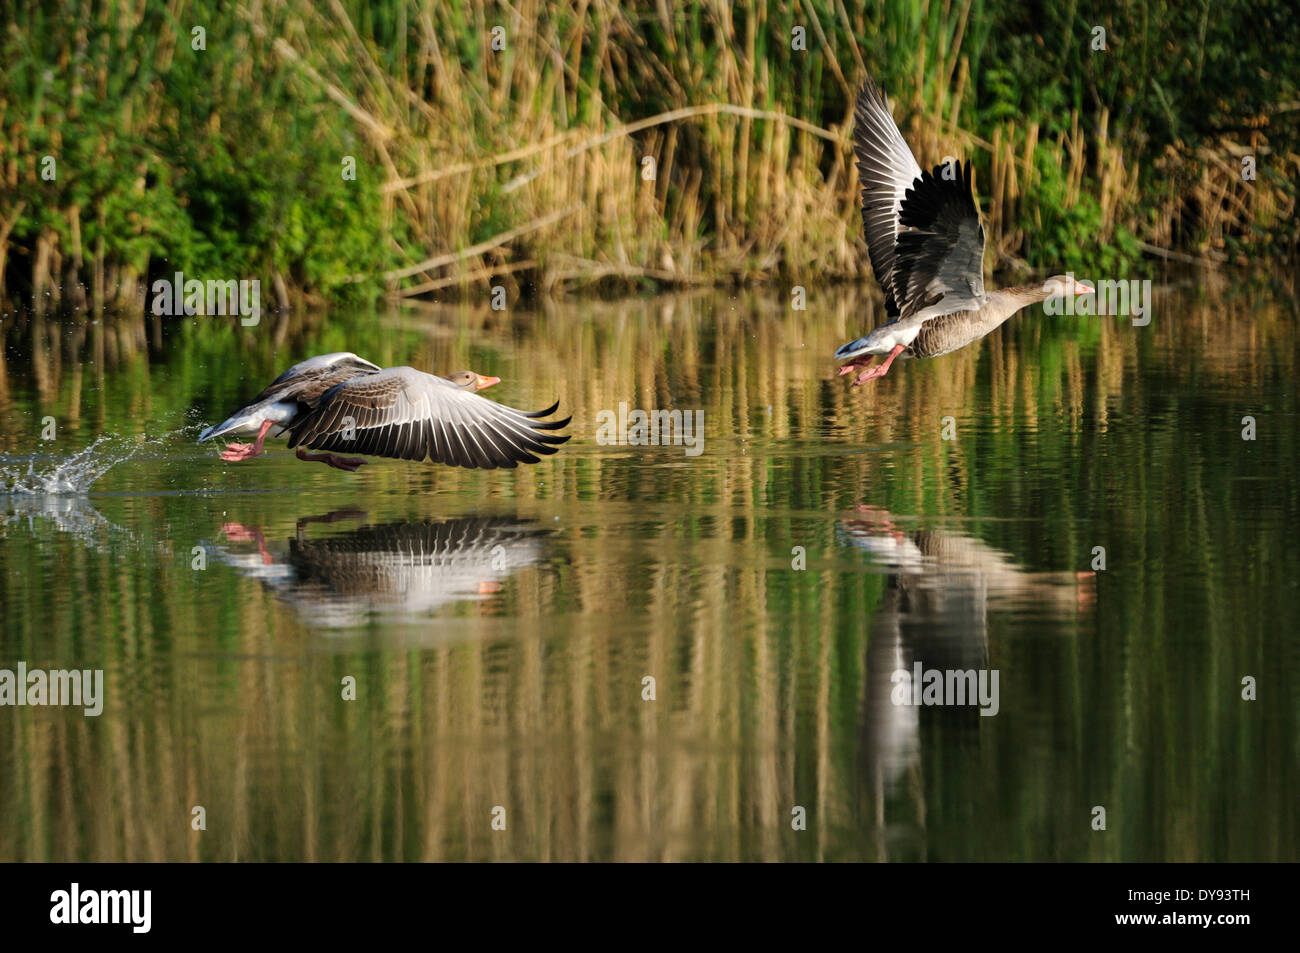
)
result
[(499, 625)]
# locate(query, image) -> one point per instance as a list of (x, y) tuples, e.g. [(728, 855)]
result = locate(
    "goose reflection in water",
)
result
[(942, 586), (401, 570)]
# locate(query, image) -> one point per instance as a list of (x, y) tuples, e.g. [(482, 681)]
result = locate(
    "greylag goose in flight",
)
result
[(342, 402), (926, 246)]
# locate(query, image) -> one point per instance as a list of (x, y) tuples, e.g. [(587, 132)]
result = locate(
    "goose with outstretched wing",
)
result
[(341, 402), (926, 246)]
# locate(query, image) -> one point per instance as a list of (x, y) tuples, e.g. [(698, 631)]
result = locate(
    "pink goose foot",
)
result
[(872, 373), (235, 452), (339, 463), (856, 363)]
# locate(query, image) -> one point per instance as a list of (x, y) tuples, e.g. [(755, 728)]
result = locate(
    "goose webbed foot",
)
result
[(235, 452), (332, 459), (856, 363), (871, 374), (880, 370)]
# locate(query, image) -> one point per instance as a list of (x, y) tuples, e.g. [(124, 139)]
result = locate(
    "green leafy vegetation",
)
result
[(507, 142)]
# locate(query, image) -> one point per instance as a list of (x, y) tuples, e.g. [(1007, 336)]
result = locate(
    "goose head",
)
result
[(1066, 285), (472, 382)]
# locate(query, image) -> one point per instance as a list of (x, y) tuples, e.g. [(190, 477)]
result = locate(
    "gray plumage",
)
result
[(341, 402), (308, 379), (406, 414), (926, 246), (886, 169)]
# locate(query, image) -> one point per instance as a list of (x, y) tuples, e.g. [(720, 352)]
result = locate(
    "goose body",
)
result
[(342, 402), (926, 246)]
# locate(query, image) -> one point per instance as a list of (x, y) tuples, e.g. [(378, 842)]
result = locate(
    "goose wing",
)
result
[(405, 414), (939, 263), (308, 380), (886, 169)]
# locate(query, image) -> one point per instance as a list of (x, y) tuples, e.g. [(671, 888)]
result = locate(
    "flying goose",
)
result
[(926, 246), (343, 402)]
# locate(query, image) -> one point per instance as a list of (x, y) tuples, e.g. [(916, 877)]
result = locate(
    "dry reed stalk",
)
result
[(496, 241)]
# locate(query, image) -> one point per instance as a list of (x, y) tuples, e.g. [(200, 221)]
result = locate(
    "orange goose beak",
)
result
[(485, 382)]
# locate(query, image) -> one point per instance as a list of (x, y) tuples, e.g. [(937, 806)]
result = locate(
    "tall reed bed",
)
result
[(544, 146)]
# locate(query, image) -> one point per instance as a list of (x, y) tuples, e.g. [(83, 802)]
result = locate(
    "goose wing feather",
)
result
[(403, 413), (886, 169), (940, 250), (308, 380)]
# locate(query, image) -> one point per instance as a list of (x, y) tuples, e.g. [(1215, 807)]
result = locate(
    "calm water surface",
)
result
[(500, 625)]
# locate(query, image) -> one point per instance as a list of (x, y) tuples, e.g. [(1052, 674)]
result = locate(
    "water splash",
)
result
[(53, 491), (77, 473)]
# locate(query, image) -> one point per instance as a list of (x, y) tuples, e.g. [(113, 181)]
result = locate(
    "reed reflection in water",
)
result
[(523, 687)]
